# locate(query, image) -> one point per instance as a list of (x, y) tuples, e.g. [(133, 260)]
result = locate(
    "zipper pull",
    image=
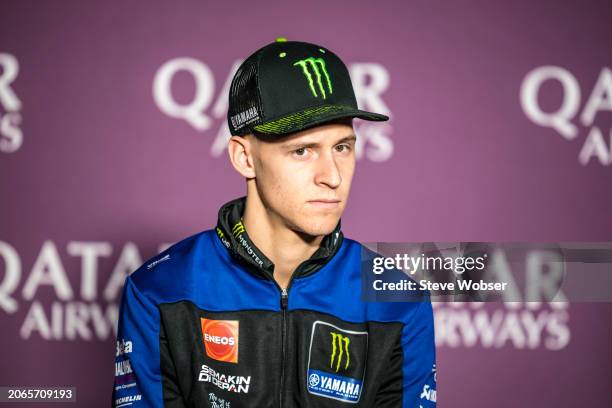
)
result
[(284, 298)]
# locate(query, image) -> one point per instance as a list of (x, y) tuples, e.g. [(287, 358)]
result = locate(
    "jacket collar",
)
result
[(233, 235)]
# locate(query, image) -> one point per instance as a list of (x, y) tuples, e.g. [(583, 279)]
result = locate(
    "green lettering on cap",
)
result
[(280, 39)]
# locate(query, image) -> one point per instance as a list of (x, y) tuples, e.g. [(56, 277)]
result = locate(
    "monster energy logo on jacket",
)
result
[(317, 66), (342, 349), (336, 362)]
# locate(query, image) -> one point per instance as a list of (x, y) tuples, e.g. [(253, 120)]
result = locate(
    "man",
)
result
[(265, 310)]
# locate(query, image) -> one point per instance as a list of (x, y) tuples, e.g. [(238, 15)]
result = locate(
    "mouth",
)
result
[(325, 203)]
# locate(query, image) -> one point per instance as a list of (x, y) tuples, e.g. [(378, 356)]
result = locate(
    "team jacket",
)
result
[(204, 324)]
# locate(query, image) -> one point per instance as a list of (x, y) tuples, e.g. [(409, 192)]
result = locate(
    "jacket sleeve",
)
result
[(419, 363), (144, 372)]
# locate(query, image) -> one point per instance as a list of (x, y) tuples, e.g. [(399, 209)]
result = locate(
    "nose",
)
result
[(327, 172)]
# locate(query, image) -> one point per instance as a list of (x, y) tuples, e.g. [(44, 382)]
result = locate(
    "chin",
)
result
[(316, 226)]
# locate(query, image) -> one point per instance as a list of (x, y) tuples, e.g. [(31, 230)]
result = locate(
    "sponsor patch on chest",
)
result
[(336, 362)]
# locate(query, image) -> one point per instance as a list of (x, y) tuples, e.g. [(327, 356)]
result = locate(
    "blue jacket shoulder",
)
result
[(170, 274)]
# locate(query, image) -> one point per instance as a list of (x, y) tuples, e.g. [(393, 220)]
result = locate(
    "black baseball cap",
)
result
[(288, 86)]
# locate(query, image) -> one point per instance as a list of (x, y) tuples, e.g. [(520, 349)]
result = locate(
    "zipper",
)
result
[(284, 302)]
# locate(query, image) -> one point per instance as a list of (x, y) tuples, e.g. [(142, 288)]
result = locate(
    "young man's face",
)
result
[(304, 179)]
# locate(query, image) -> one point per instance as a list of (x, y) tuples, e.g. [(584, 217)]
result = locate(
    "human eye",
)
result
[(343, 148), (301, 152)]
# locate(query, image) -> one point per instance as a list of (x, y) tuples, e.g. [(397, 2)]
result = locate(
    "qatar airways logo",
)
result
[(206, 112), (68, 291), (569, 121), (220, 339), (11, 136), (515, 325)]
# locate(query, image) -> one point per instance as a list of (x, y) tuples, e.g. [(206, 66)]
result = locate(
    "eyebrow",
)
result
[(298, 145)]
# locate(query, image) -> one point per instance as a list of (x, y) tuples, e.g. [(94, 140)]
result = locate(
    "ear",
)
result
[(240, 150)]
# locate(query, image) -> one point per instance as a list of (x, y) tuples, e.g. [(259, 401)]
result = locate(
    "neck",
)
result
[(285, 247)]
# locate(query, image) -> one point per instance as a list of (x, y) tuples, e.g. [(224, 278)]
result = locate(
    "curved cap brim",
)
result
[(314, 116)]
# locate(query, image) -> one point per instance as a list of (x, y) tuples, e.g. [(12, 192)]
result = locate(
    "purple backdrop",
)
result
[(112, 127)]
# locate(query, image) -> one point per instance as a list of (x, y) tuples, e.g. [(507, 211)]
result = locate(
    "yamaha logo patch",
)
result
[(336, 362)]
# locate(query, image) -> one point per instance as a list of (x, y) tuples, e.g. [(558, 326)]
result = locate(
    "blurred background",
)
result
[(112, 146)]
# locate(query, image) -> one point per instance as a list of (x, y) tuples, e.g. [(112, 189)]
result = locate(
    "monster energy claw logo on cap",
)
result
[(317, 65)]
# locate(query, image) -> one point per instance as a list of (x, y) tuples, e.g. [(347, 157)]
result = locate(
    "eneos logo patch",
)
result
[(220, 339)]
